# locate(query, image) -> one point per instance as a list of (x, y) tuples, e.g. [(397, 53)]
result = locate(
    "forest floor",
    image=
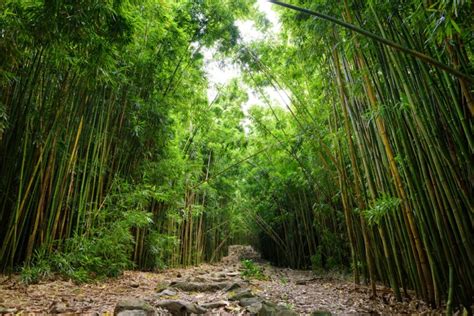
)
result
[(219, 288)]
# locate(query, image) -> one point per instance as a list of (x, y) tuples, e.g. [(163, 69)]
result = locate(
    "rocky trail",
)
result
[(218, 289)]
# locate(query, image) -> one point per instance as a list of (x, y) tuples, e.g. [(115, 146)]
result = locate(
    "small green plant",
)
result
[(289, 306), (252, 270), (41, 269), (33, 274), (317, 261)]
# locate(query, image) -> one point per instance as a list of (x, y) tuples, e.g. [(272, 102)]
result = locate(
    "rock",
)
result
[(254, 308), (167, 292), (235, 310), (247, 301), (179, 307), (413, 305), (244, 293), (232, 286), (5, 310), (212, 305), (320, 313), (199, 287), (132, 312), (58, 308), (133, 307), (239, 252), (199, 279), (134, 285), (219, 280), (286, 312), (269, 309), (160, 286)]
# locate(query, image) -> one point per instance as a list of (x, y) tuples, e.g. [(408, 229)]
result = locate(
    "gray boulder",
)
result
[(180, 307), (167, 292), (248, 301), (212, 305), (269, 309), (133, 307), (244, 293), (321, 313)]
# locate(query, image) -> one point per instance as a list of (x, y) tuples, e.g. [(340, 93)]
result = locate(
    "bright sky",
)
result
[(220, 72)]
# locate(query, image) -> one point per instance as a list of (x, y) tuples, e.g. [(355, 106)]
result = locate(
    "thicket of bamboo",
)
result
[(107, 139), (91, 97), (405, 160)]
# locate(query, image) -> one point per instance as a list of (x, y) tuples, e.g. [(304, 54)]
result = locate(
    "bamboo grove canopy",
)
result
[(113, 156)]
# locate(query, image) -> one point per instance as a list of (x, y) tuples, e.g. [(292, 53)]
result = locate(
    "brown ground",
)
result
[(301, 291)]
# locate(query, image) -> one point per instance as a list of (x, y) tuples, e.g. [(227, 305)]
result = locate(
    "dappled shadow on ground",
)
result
[(211, 289)]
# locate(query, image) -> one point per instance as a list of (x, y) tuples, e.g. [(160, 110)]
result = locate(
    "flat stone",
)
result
[(267, 309), (218, 279), (254, 308), (5, 310), (232, 286), (180, 307), (160, 286), (244, 293), (58, 308), (212, 305), (133, 307), (199, 287), (248, 301), (167, 292), (132, 312), (233, 309), (199, 279), (321, 313), (286, 312)]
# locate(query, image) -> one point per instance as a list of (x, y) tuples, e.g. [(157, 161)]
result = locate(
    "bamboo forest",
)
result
[(237, 157)]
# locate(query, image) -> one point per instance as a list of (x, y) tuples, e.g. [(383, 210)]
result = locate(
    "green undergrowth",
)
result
[(105, 252)]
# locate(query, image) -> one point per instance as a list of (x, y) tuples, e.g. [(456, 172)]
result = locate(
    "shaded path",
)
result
[(299, 291)]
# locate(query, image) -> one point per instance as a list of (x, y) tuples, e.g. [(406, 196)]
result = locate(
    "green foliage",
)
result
[(40, 270), (161, 248), (381, 207), (109, 138), (316, 262), (105, 252), (112, 157), (3, 120), (251, 270)]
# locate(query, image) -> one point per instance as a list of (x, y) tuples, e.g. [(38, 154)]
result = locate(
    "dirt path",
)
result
[(284, 292)]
